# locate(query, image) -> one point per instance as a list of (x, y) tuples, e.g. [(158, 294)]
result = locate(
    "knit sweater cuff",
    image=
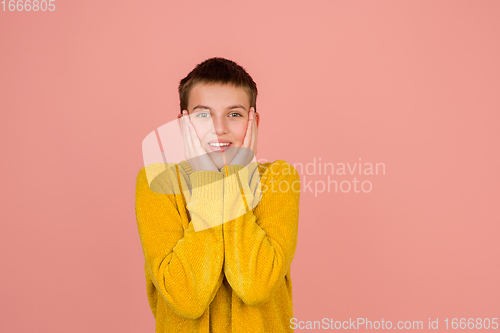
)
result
[(206, 205), (243, 175), (237, 195)]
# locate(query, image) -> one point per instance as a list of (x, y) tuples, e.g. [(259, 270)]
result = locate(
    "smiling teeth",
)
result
[(220, 144)]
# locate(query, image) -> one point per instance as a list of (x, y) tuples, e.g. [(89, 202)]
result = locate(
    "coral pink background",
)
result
[(411, 84)]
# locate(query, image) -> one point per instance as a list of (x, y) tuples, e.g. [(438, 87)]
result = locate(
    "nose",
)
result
[(220, 125)]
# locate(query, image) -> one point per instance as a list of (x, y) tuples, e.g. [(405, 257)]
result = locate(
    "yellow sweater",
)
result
[(233, 276)]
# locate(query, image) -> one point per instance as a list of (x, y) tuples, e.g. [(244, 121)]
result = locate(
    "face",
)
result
[(219, 114)]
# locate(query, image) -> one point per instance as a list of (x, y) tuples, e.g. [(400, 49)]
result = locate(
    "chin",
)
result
[(218, 158)]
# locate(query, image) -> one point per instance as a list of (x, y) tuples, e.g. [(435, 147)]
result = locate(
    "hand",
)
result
[(248, 150), (195, 155)]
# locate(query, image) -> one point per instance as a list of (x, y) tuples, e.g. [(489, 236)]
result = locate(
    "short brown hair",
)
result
[(218, 70)]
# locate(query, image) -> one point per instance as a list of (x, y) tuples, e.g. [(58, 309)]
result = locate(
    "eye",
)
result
[(203, 115), (236, 113)]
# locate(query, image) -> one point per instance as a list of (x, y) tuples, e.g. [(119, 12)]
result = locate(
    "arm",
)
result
[(185, 266), (260, 244)]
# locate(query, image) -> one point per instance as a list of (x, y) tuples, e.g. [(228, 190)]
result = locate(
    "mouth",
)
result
[(219, 146)]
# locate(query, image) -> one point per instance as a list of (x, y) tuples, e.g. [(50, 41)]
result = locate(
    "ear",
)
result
[(257, 118), (179, 122)]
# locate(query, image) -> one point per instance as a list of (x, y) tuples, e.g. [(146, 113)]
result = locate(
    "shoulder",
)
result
[(280, 181), (157, 177)]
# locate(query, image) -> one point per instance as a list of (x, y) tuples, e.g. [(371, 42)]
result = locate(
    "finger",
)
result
[(253, 145), (254, 130), (197, 149), (196, 142), (189, 140), (184, 137), (248, 135)]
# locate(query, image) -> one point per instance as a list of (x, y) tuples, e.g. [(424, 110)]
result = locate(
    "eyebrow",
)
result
[(238, 106)]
